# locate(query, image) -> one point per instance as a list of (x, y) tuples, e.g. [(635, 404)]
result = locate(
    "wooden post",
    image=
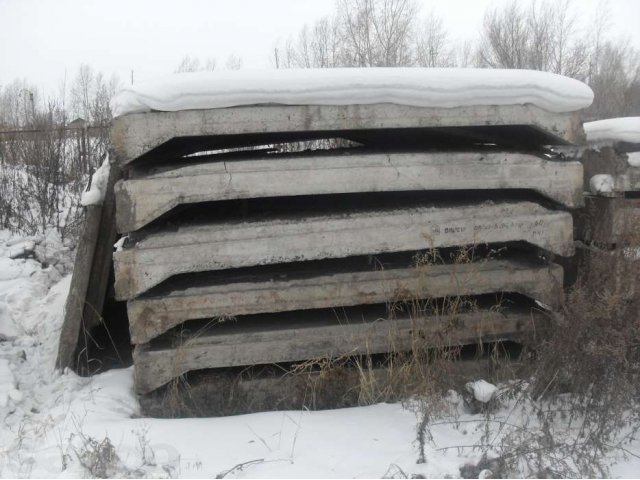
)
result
[(87, 293)]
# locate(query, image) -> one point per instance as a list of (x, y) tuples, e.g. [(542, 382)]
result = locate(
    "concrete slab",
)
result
[(137, 135), (144, 199), (341, 385), (150, 317), (307, 340), (219, 246)]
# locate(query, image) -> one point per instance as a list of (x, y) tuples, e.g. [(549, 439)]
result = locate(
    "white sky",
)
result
[(41, 40)]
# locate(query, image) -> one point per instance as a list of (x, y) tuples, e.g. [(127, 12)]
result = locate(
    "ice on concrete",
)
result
[(482, 390), (623, 129), (601, 183), (422, 87), (95, 195)]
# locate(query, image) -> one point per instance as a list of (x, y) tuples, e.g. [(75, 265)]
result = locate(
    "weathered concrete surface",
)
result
[(607, 160), (305, 340), (150, 317), (135, 135), (231, 245), (144, 199), (229, 392), (610, 221)]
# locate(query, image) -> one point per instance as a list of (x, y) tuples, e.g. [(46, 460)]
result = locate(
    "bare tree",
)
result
[(615, 80), (465, 54), (189, 64), (546, 37), (361, 33), (325, 43), (284, 56), (233, 62), (377, 33), (44, 164), (542, 37), (432, 43), (210, 64), (503, 42), (82, 90)]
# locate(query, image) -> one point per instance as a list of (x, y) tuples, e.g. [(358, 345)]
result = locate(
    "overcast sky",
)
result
[(41, 40)]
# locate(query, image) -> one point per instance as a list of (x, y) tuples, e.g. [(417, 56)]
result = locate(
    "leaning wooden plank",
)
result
[(80, 281), (103, 255), (137, 134), (89, 283), (141, 200), (218, 246), (152, 316), (304, 339)]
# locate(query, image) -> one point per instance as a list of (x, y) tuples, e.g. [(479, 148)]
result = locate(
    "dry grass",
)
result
[(581, 406), (423, 365)]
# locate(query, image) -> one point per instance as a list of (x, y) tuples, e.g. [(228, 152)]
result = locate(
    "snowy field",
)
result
[(55, 422)]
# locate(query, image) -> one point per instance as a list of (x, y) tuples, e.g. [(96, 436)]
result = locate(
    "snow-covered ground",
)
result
[(54, 422), (423, 87)]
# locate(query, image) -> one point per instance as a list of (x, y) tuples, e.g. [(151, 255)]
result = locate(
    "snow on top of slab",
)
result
[(634, 159), (422, 87), (623, 129)]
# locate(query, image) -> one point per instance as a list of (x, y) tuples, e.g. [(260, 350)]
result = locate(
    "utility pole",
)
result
[(30, 99), (33, 108)]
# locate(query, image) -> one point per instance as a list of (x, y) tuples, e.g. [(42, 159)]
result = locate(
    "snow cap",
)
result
[(623, 129), (420, 87)]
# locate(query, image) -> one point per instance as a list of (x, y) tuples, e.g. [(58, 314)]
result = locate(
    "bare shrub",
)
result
[(46, 160), (99, 458), (581, 404)]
